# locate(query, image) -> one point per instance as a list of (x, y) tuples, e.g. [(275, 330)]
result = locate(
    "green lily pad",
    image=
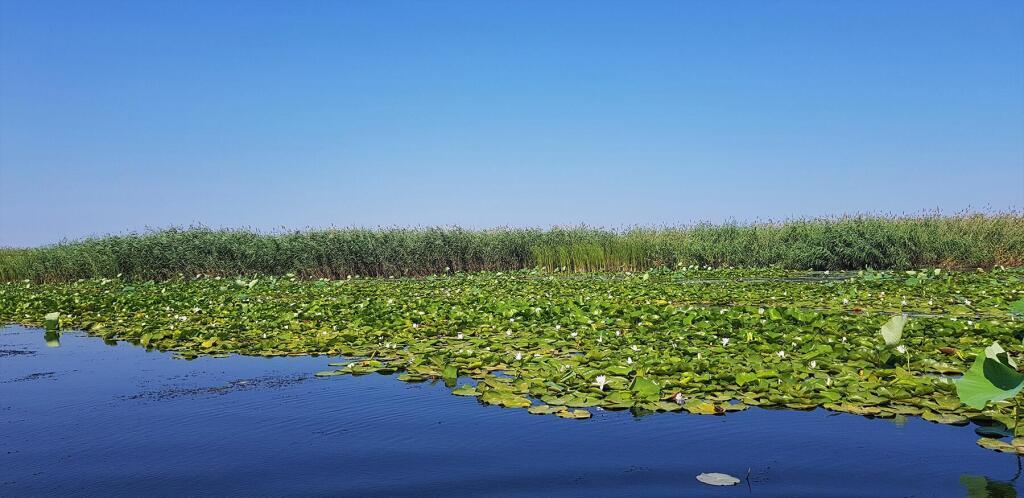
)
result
[(465, 390), (505, 399), (574, 414), (944, 418), (700, 407)]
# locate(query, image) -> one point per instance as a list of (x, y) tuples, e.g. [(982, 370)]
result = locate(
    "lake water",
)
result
[(94, 419)]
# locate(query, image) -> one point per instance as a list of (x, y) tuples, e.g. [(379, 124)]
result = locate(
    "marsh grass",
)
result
[(823, 244)]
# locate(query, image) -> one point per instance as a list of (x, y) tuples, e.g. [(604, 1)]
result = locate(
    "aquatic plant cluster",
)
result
[(967, 241), (705, 341)]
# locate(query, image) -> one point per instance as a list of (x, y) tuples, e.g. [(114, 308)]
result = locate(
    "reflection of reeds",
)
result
[(836, 243)]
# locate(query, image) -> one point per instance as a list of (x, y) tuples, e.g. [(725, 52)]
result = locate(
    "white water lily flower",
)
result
[(634, 348), (679, 398), (600, 382), (264, 336), (903, 302), (814, 364), (760, 311), (828, 381), (415, 325), (725, 341), (930, 302), (970, 322), (846, 301), (629, 360), (459, 336), (508, 333), (618, 332), (574, 334), (558, 327), (901, 349), (843, 339), (782, 354)]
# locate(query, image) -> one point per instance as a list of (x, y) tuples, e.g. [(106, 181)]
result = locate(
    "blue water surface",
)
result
[(88, 418)]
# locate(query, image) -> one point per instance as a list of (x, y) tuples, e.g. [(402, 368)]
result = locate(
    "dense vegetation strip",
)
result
[(704, 341), (968, 241)]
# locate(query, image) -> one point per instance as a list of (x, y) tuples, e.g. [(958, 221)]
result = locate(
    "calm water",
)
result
[(91, 419)]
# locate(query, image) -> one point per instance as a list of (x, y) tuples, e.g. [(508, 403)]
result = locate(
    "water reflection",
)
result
[(52, 338)]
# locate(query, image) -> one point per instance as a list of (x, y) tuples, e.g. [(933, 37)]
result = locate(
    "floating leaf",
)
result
[(545, 409), (646, 389), (465, 390), (745, 377), (944, 418), (700, 407), (717, 479), (575, 414), (505, 399)]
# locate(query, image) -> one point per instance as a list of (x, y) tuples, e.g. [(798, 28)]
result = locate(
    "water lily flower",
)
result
[(264, 335), (782, 354), (828, 381), (459, 336), (679, 398), (519, 356), (574, 334), (846, 301), (843, 340), (970, 322), (508, 333), (725, 341), (930, 302), (814, 364), (600, 339), (901, 349), (903, 302), (629, 360), (600, 382), (558, 327), (967, 302), (760, 311), (415, 325)]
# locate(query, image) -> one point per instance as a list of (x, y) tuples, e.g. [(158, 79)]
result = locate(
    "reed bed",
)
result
[(855, 242)]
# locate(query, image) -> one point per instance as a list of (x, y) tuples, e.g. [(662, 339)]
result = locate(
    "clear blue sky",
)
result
[(116, 116)]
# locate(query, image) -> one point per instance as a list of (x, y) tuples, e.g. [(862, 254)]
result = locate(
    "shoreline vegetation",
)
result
[(845, 243)]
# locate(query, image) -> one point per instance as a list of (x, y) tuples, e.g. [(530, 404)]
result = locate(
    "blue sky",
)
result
[(118, 116)]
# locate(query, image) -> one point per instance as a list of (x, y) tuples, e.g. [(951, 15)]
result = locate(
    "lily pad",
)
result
[(717, 479), (465, 390)]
